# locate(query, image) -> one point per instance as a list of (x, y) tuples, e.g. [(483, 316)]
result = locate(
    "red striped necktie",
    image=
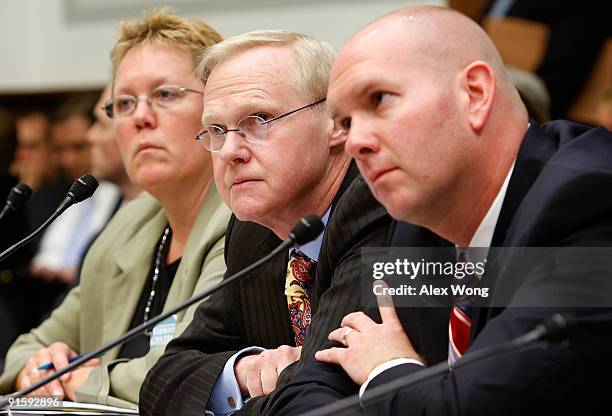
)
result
[(460, 322)]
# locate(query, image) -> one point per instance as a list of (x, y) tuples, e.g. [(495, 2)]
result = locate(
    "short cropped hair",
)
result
[(314, 58), (161, 27)]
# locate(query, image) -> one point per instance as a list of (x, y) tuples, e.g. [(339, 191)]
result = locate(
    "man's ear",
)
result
[(337, 137), (479, 83)]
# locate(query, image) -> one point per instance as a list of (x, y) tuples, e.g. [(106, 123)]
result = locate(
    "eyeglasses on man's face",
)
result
[(164, 96), (253, 129)]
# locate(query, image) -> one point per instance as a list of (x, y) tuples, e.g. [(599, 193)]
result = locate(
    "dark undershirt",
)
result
[(139, 346)]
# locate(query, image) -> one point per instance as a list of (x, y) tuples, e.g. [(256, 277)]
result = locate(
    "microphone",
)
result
[(80, 190), (16, 199), (307, 229), (555, 329)]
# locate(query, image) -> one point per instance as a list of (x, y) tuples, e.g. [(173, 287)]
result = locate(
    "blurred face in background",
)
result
[(34, 162), (106, 160), (69, 143), (157, 140)]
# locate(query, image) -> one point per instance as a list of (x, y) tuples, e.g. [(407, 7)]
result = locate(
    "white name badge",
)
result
[(163, 332)]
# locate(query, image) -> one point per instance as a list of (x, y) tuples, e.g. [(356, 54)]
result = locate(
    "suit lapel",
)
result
[(536, 150), (188, 272), (263, 298), (319, 286), (123, 289)]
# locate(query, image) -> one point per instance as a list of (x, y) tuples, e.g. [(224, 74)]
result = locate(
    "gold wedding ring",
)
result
[(346, 333)]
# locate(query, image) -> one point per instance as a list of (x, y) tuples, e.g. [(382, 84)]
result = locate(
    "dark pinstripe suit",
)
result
[(255, 312)]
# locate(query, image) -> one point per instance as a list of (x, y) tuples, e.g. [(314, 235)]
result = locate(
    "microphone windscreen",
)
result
[(307, 229), (83, 188), (557, 327), (19, 196)]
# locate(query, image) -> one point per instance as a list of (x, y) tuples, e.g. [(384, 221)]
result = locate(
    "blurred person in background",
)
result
[(7, 181), (105, 157), (25, 146), (106, 162), (159, 249), (64, 242), (578, 31), (13, 226), (48, 156), (68, 125), (36, 165)]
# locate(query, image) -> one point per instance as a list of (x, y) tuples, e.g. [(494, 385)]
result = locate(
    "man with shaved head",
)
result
[(444, 142)]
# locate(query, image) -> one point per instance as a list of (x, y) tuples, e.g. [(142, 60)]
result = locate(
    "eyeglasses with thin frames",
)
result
[(164, 96), (253, 129)]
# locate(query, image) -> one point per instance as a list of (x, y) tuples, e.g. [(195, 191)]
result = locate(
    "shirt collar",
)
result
[(312, 248), (484, 233)]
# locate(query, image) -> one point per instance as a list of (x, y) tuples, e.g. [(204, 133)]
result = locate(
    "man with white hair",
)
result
[(276, 158)]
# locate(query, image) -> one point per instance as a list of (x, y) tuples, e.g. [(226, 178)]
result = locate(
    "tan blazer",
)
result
[(114, 273)]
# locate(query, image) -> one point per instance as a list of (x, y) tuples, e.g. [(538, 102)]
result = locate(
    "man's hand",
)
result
[(57, 353), (368, 344), (257, 374)]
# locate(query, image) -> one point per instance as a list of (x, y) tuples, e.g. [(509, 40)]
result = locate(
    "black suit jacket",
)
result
[(255, 311), (558, 195)]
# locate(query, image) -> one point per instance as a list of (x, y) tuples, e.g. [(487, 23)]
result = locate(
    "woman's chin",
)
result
[(151, 179)]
